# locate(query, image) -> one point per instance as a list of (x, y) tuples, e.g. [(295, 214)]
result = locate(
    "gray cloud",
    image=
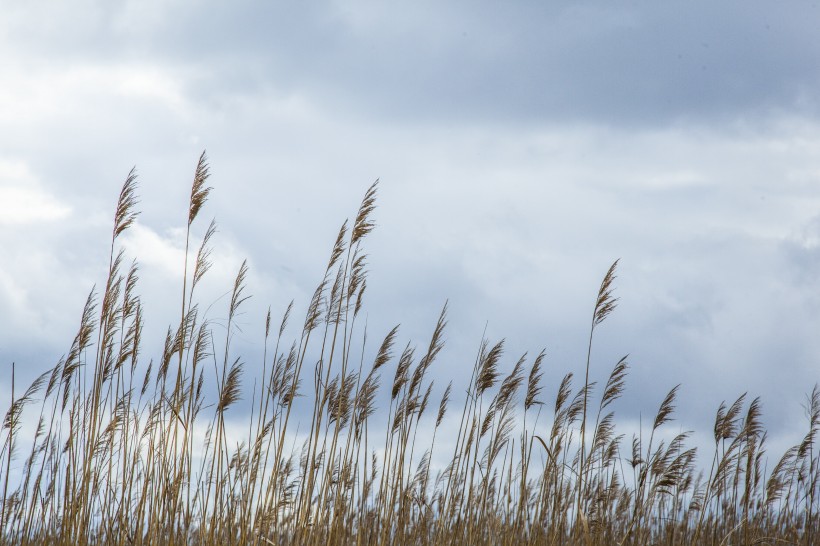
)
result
[(520, 150), (639, 64)]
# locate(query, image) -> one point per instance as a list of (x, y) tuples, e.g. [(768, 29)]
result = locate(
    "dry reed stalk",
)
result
[(115, 454)]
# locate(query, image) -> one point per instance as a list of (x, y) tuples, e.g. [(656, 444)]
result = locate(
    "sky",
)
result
[(521, 148)]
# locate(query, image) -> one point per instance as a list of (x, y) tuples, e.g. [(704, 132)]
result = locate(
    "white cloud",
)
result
[(162, 254), (47, 91), (22, 201)]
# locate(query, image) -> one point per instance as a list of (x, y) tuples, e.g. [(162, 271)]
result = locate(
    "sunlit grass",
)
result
[(131, 450)]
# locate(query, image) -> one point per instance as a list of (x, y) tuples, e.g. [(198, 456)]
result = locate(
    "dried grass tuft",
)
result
[(126, 451)]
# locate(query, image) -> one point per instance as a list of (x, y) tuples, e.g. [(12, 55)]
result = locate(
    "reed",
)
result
[(117, 458)]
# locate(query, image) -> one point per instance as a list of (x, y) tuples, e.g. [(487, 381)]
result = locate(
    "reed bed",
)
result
[(129, 450)]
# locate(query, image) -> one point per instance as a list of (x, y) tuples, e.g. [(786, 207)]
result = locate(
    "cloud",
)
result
[(802, 251), (22, 201), (520, 150), (530, 63)]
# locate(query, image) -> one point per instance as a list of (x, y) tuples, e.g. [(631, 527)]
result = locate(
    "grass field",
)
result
[(117, 459)]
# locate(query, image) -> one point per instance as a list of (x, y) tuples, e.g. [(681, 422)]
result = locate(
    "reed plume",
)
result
[(127, 449)]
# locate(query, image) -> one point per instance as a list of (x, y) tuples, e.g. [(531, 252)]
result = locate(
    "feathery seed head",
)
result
[(605, 303), (199, 191), (125, 213)]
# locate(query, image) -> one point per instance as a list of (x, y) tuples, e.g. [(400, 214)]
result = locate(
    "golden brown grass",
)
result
[(116, 458)]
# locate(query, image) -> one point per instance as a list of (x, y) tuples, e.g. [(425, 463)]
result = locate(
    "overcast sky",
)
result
[(522, 147)]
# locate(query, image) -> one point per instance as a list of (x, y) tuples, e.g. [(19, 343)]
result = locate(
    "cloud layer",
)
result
[(520, 150)]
